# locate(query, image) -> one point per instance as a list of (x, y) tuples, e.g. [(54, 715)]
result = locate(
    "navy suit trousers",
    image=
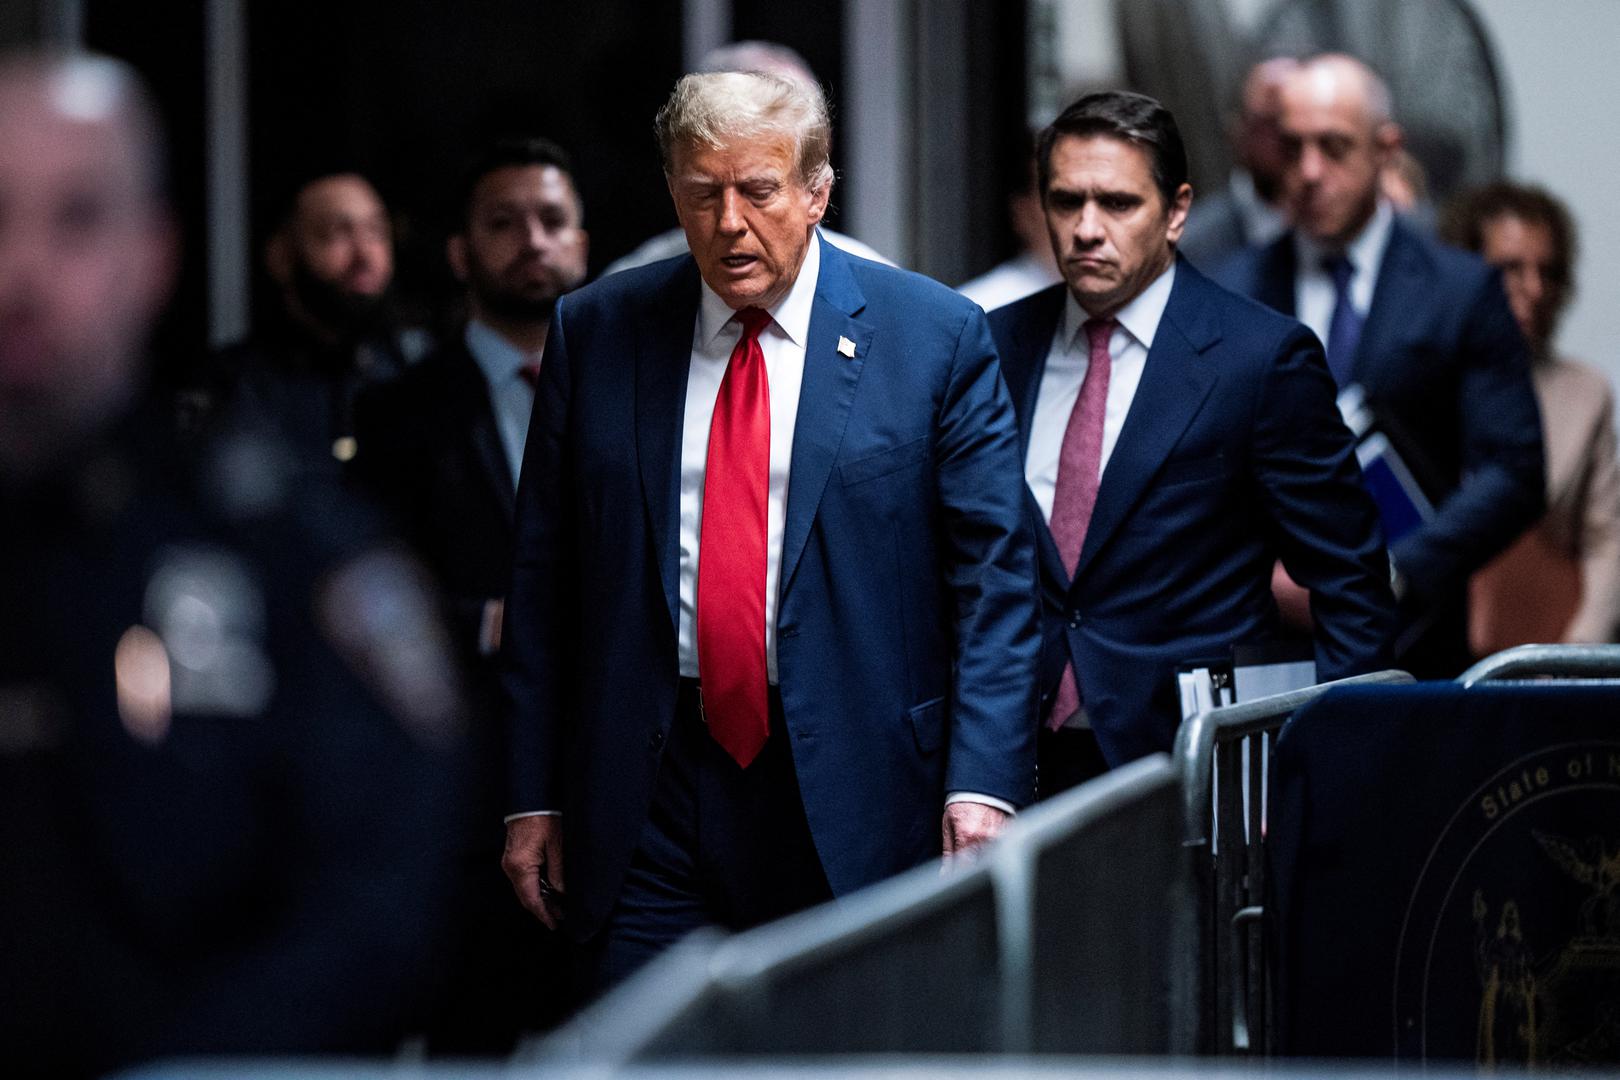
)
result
[(722, 846)]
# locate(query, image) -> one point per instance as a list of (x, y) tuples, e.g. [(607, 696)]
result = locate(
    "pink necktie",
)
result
[(731, 551), (1079, 472)]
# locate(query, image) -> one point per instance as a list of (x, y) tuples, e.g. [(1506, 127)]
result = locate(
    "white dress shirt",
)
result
[(782, 342), (510, 395), (1314, 294), (1066, 366)]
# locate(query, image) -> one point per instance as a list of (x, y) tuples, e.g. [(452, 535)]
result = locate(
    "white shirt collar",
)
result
[(1366, 251), (1139, 318), (499, 358), (791, 313)]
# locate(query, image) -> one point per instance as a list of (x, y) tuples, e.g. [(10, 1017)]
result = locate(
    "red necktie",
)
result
[(1079, 474), (731, 551)]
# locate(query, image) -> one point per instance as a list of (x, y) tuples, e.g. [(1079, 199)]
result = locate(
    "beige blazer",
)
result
[(1561, 580)]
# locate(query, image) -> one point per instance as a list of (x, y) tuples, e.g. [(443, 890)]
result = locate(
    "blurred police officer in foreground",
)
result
[(227, 722)]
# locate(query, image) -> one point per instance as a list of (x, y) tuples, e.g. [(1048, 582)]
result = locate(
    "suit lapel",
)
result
[(1052, 568), (825, 397), (663, 344), (1025, 362), (1402, 274), (491, 455), (1023, 367), (1174, 384), (471, 392)]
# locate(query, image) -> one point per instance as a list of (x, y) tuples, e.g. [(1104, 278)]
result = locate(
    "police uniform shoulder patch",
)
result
[(207, 609), (377, 612)]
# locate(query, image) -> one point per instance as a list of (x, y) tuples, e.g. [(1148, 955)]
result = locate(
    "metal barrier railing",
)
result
[(1542, 661), (1223, 829), (1088, 967), (1010, 954)]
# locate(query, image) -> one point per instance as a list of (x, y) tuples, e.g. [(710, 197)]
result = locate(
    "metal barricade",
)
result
[(1582, 662), (1096, 920), (1223, 829), (931, 963)]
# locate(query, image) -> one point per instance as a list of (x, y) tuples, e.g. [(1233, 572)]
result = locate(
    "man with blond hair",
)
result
[(772, 629), (771, 58)]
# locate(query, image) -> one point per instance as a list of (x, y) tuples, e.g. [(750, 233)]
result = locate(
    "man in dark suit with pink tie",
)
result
[(1176, 439), (773, 628)]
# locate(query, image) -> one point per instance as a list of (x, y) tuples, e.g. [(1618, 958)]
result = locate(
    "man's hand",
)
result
[(533, 862), (1293, 600), (489, 627), (967, 825)]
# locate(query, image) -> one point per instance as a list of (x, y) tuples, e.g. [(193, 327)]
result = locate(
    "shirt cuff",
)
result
[(983, 800), (509, 818)]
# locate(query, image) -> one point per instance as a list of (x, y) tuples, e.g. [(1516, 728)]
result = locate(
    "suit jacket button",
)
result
[(657, 740), (1075, 620)]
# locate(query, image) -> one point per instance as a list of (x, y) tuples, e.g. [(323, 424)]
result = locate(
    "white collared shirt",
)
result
[(510, 395), (783, 343), (1066, 365), (1314, 294)]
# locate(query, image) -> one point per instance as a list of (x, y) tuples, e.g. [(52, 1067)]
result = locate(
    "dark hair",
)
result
[(1463, 224), (507, 152), (1136, 118), (283, 200)]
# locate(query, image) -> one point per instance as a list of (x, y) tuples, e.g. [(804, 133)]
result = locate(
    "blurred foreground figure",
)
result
[(225, 721), (441, 447), (1424, 334), (1561, 580), (332, 259)]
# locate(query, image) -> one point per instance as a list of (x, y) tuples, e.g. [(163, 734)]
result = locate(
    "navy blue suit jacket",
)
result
[(1447, 372), (908, 622), (1232, 455)]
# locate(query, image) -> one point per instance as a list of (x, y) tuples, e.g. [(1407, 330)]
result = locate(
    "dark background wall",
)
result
[(404, 90)]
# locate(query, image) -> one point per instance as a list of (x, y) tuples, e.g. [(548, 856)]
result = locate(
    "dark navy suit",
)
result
[(907, 626), (1446, 371), (1232, 454)]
